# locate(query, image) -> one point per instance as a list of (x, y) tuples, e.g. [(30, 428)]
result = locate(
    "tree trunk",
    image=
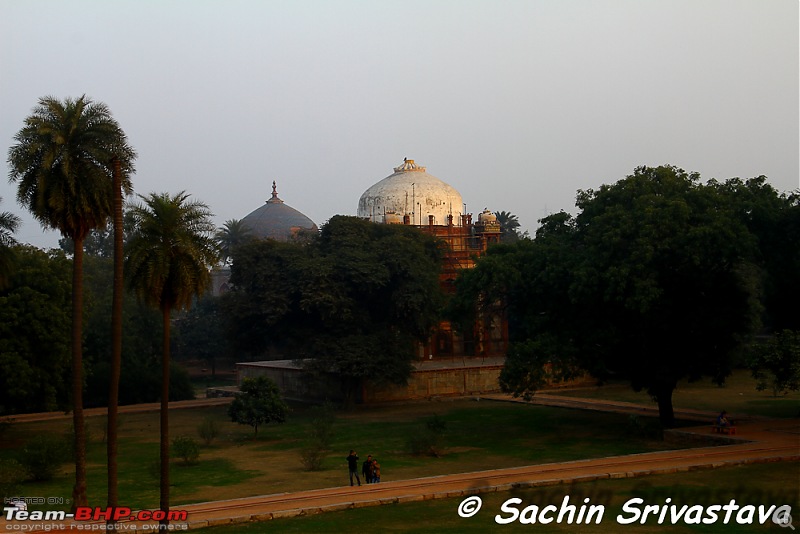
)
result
[(165, 416), (352, 391), (79, 490), (665, 411), (116, 342)]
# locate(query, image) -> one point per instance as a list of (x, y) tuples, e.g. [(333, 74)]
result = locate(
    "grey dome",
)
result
[(411, 190), (275, 220)]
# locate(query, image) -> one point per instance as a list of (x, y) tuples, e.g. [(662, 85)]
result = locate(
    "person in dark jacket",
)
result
[(352, 464)]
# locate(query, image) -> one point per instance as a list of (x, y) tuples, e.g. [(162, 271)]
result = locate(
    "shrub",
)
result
[(313, 457), (42, 456), (11, 475), (208, 430), (428, 441), (321, 433), (186, 448), (322, 423), (644, 429)]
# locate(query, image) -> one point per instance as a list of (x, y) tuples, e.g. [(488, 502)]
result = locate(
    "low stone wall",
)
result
[(295, 383), (292, 380), (447, 378), (424, 384)]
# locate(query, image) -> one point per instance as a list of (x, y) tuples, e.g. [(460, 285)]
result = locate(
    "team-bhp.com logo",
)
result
[(92, 513)]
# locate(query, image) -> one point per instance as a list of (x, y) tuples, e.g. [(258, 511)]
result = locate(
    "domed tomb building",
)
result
[(449, 362), (273, 220), (413, 197), (411, 191), (277, 220)]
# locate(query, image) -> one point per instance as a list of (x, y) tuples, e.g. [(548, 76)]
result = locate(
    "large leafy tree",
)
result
[(168, 260), (353, 302), (201, 332), (776, 363), (667, 271), (62, 163), (34, 333), (774, 221), (141, 347), (8, 225), (652, 281)]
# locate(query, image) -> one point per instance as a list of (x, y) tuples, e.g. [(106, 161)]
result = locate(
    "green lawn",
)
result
[(479, 435), (767, 484)]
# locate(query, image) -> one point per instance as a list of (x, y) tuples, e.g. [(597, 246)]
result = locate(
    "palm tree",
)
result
[(62, 163), (8, 225), (116, 340), (232, 234), (508, 226), (167, 265)]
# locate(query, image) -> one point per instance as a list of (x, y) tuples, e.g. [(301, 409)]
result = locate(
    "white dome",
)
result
[(411, 190)]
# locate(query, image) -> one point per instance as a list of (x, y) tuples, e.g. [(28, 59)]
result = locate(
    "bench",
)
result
[(723, 429)]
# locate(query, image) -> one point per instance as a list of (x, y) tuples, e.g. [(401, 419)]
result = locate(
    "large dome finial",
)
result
[(274, 199), (409, 165)]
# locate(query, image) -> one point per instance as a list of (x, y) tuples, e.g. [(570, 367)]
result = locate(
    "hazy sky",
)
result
[(517, 104)]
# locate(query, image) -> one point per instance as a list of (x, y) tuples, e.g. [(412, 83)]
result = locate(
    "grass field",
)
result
[(479, 435), (765, 484)]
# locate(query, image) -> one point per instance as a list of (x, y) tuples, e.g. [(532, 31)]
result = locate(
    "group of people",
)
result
[(723, 420), (371, 469)]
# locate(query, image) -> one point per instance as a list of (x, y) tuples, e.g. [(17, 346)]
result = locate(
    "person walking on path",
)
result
[(366, 469), (352, 464), (376, 471)]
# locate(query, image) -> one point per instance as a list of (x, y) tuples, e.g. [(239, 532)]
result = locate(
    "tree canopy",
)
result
[(258, 403), (656, 279), (353, 301), (8, 225), (34, 333), (776, 363)]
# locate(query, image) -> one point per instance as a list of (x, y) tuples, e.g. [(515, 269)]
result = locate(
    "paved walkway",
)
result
[(131, 408), (756, 441)]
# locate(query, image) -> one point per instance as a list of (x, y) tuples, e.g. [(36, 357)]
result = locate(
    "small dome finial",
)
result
[(274, 198)]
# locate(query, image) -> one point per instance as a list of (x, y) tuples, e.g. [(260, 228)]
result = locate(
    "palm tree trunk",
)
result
[(116, 341), (165, 415), (79, 490)]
